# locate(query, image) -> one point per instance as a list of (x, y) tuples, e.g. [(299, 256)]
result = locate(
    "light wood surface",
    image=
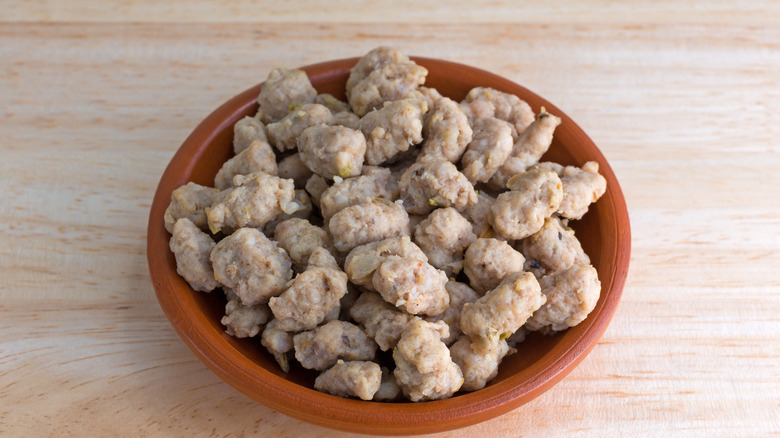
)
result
[(681, 97)]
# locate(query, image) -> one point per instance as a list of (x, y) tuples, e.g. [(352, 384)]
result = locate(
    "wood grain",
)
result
[(684, 109)]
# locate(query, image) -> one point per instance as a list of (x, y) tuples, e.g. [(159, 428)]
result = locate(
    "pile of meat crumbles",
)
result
[(399, 220)]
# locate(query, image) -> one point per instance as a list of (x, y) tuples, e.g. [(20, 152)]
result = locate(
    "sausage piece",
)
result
[(554, 246), (390, 82), (190, 201), (332, 151), (484, 102), (258, 157), (382, 321), (446, 130), (252, 265), (244, 321), (192, 247), (248, 130), (284, 88), (391, 130), (371, 61), (375, 182), (478, 368), (571, 295), (412, 285), (488, 261), (489, 148), (424, 368), (310, 299), (255, 200), (319, 349), (528, 149), (350, 379), (368, 222), (362, 261), (520, 212), (443, 236), (284, 133), (501, 311), (435, 182)]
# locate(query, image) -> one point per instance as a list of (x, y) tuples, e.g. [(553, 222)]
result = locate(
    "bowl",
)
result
[(244, 363)]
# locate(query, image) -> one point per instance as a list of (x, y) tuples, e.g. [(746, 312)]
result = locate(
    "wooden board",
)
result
[(92, 107)]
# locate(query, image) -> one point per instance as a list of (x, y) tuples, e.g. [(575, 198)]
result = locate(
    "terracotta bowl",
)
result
[(244, 363)]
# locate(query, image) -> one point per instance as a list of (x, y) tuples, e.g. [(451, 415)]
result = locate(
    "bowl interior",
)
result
[(541, 361)]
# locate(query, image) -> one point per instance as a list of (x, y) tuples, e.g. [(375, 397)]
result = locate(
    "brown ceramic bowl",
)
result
[(244, 364)]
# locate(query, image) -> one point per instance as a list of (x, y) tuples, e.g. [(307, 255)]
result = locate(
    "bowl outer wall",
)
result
[(358, 416)]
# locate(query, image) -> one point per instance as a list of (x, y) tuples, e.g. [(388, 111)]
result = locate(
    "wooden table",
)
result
[(683, 98)]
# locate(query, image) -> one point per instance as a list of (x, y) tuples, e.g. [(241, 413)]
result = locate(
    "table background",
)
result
[(682, 98)]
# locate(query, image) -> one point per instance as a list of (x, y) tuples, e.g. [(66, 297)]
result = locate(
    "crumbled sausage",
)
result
[(350, 379), (282, 89), (192, 248), (391, 130), (502, 311), (554, 246), (332, 150), (528, 149), (435, 182), (371, 61), (278, 342), (375, 182), (330, 102), (190, 201), (571, 295), (460, 294), (319, 349), (488, 261), (258, 157), (311, 297), (446, 130), (252, 265), (300, 238), (364, 223), (315, 187), (362, 261), (534, 196), (424, 369), (246, 131), (443, 236), (412, 285), (487, 102), (382, 321), (244, 321), (581, 187), (284, 133), (480, 215), (478, 367), (489, 148), (255, 200), (292, 167), (390, 82)]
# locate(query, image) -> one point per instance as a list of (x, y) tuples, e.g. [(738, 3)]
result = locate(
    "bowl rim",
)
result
[(351, 415)]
